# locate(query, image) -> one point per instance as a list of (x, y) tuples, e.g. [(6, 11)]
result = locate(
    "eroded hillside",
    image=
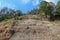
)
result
[(30, 29), (36, 30)]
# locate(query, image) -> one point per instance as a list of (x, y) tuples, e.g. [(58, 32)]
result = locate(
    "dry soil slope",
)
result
[(31, 29)]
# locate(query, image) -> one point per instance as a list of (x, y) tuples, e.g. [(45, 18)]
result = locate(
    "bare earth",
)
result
[(36, 30)]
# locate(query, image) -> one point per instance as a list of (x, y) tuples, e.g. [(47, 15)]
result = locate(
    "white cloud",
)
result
[(48, 0), (0, 4), (25, 1), (51, 0), (54, 1), (36, 2), (11, 6)]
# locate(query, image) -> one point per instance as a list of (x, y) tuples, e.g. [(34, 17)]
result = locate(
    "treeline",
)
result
[(6, 13), (47, 9)]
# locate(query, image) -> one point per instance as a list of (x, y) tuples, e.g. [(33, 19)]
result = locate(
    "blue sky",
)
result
[(23, 5)]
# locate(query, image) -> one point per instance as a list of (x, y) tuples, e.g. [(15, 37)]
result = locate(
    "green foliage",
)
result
[(38, 14), (47, 8), (34, 12), (23, 17), (58, 8), (6, 14)]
